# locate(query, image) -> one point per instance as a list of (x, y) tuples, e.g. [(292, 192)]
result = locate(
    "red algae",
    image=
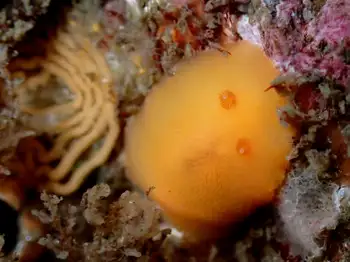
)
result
[(301, 40)]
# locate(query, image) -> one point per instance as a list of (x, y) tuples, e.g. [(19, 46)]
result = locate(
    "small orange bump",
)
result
[(243, 146), (227, 99)]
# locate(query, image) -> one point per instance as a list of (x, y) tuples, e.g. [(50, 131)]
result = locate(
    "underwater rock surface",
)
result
[(308, 37)]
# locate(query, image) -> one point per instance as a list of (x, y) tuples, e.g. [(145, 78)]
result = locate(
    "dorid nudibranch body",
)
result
[(209, 142)]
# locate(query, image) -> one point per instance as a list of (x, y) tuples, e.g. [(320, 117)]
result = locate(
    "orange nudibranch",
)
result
[(209, 141)]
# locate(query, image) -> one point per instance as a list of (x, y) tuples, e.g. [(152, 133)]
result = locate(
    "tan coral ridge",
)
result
[(82, 122)]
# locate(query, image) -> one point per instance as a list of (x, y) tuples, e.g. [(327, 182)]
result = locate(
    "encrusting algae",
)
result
[(86, 123), (208, 144)]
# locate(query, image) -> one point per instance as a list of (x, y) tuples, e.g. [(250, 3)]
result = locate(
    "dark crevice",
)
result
[(8, 226)]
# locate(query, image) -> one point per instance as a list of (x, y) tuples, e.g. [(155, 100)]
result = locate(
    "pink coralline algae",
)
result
[(301, 40)]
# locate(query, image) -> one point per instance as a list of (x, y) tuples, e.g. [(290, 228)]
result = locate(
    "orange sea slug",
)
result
[(208, 140)]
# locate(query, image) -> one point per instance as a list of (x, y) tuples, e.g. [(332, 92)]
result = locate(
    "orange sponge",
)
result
[(209, 142)]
